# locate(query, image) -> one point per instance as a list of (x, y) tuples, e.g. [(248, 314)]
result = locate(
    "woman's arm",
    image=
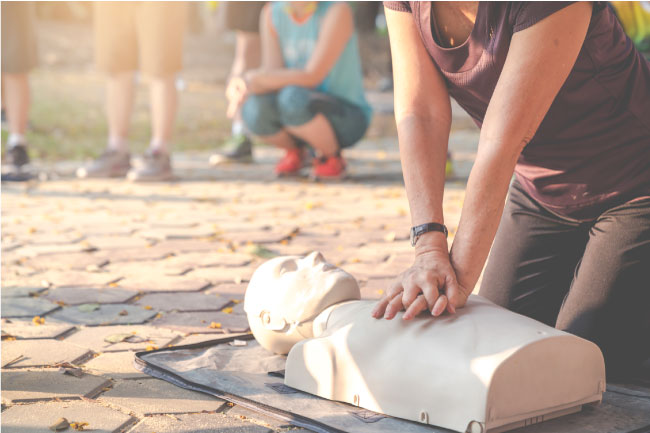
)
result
[(539, 60), (423, 116), (335, 32)]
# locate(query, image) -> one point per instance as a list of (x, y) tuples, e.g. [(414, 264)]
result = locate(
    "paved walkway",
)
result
[(95, 270)]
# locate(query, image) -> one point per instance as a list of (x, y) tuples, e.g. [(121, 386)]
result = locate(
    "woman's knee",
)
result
[(260, 114), (293, 104)]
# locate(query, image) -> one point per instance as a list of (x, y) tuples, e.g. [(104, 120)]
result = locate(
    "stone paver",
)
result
[(27, 330), (103, 314), (116, 365), (26, 307), (40, 353), (199, 301), (21, 291), (22, 386), (122, 338), (153, 396), (37, 418), (199, 322), (67, 261), (164, 283), (89, 295), (197, 423), (228, 289)]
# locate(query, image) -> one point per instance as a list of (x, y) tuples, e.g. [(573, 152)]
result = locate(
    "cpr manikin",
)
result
[(482, 369)]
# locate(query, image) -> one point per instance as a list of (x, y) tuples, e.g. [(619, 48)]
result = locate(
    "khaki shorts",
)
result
[(144, 34), (18, 37)]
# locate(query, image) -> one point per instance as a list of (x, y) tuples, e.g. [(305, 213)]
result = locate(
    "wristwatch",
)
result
[(418, 231)]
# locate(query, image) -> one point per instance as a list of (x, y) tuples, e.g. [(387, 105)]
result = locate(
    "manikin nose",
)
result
[(314, 258)]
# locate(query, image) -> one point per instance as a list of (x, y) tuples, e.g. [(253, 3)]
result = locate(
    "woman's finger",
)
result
[(419, 305), (439, 306), (380, 308), (394, 306)]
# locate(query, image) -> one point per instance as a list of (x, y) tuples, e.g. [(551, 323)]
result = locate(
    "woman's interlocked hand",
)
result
[(429, 284)]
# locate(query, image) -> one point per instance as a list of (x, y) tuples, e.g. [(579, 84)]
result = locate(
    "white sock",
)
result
[(118, 144), (237, 128), (158, 146), (16, 139)]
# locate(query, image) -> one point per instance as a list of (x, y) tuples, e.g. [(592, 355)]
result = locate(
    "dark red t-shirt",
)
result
[(592, 150)]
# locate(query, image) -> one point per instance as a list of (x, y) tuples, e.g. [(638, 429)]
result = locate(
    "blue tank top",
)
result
[(298, 40)]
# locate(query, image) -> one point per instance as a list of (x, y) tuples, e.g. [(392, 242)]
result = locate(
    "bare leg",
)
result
[(163, 103), (280, 139), (119, 100), (16, 101), (247, 57), (319, 134)]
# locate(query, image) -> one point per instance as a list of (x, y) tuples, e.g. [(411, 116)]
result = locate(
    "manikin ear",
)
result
[(277, 324)]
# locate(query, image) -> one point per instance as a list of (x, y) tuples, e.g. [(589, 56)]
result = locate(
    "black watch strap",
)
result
[(418, 231)]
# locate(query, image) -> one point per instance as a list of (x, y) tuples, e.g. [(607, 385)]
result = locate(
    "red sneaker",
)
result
[(332, 167), (290, 164)]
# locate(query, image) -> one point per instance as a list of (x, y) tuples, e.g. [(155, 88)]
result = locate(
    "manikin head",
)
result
[(287, 293)]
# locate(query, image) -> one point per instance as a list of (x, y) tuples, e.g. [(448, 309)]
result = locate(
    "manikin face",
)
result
[(286, 293)]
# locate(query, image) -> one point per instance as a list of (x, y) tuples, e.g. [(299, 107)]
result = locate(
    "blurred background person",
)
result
[(244, 19), (148, 36), (309, 90), (19, 56)]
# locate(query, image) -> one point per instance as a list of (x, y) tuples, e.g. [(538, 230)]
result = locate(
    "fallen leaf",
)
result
[(60, 425), (61, 303), (88, 308), (117, 338), (380, 292), (148, 307), (215, 325), (227, 310), (390, 237), (112, 285), (261, 252), (37, 320), (235, 301), (79, 426), (123, 313), (150, 348)]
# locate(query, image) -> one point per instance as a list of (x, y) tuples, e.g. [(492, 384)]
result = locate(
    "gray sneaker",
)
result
[(111, 163), (155, 166)]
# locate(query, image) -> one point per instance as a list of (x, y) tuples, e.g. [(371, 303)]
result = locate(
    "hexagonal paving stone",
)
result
[(116, 242), (26, 307), (105, 314), (155, 252), (20, 291), (20, 386), (116, 365), (228, 289), (164, 283), (198, 301), (209, 259), (37, 418), (182, 246), (199, 322), (197, 423), (67, 261), (79, 278), (28, 330), (40, 353), (223, 274), (153, 396), (121, 338), (89, 295)]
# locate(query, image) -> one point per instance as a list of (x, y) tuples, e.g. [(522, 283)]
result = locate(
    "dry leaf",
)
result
[(123, 313), (150, 348), (88, 308), (215, 325), (148, 307), (390, 237), (227, 310), (235, 301), (79, 426), (37, 320)]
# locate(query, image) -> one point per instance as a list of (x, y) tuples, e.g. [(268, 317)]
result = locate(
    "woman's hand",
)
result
[(236, 92), (429, 284)]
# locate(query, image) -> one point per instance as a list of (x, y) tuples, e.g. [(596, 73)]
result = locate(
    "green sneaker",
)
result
[(238, 148)]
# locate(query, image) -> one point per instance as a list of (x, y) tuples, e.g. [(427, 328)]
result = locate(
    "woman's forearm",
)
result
[(423, 152), (487, 188)]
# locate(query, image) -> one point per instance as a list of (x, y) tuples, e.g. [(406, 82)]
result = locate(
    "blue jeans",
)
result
[(269, 113)]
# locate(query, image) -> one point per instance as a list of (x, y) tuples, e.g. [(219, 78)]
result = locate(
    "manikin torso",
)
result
[(480, 369)]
